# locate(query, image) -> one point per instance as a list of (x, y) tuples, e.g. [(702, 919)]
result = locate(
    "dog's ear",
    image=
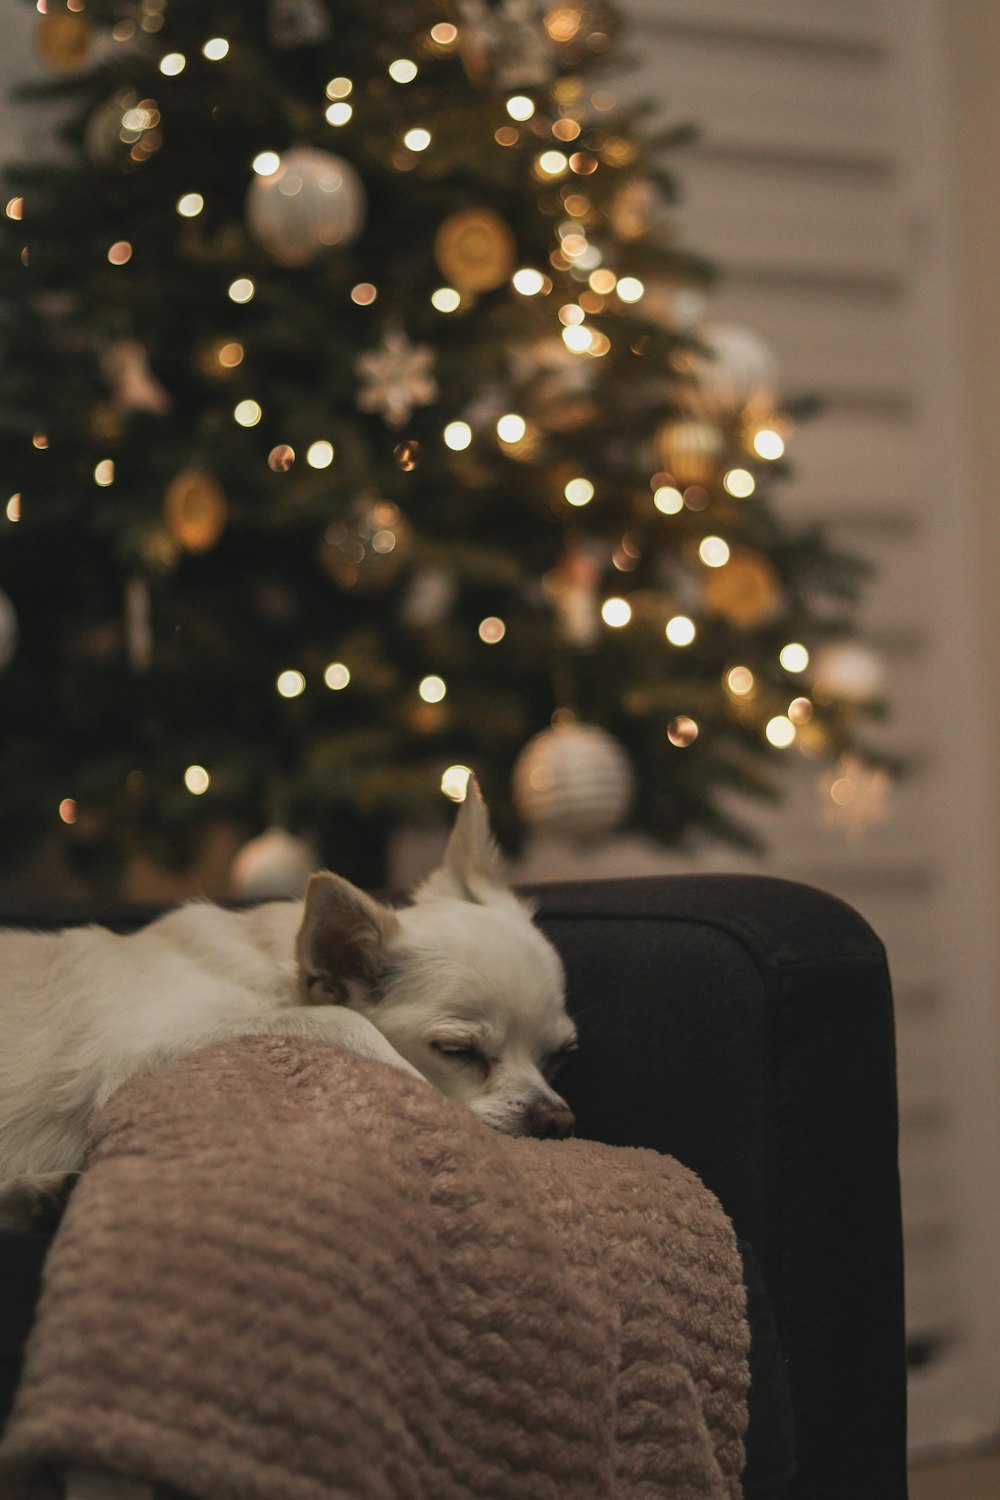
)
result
[(341, 941), (472, 869)]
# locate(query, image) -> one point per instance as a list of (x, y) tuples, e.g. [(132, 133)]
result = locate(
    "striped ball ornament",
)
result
[(573, 779)]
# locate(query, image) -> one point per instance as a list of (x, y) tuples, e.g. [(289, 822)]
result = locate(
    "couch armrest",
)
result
[(744, 1025)]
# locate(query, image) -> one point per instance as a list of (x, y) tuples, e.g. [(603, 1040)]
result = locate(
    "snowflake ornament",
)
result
[(510, 39), (396, 378), (856, 796)]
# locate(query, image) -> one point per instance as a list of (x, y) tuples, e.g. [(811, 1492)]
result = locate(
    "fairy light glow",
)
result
[(291, 684), (800, 710), (248, 413), (241, 290), (444, 34), (197, 780), (172, 64), (457, 436), (417, 139), (190, 206), (682, 731), (215, 49), (319, 455), (740, 681), (432, 689), (446, 299), (768, 444), (338, 113), (520, 107), (266, 163), (630, 289), (794, 657), (579, 491), (67, 810), (403, 70), (602, 282), (528, 281), (552, 163), (511, 428), (455, 782), (337, 676), (616, 612), (40, 441), (578, 338), (780, 731), (740, 483), (339, 88), (364, 293), (104, 472), (680, 630), (668, 500), (714, 552), (120, 253), (230, 354), (492, 630), (15, 209), (14, 508)]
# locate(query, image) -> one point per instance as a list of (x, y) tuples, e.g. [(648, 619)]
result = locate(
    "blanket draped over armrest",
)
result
[(293, 1274)]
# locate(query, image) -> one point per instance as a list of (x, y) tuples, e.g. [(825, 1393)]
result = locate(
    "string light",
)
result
[(67, 810), (339, 88), (551, 164), (364, 293), (616, 612), (579, 491), (14, 508), (455, 782), (794, 657), (668, 500), (520, 107), (780, 731), (15, 208), (230, 354), (337, 676), (528, 281), (740, 681), (457, 436), (291, 684), (446, 299), (338, 113), (266, 163), (682, 731), (714, 552), (403, 70), (319, 455), (630, 289), (511, 428), (40, 440), (417, 139), (215, 49), (172, 64), (120, 253), (248, 413), (241, 290), (492, 630), (432, 689), (444, 34), (506, 136), (104, 472), (768, 444), (566, 129), (281, 458), (680, 630), (190, 206), (740, 483), (800, 710), (602, 282), (578, 339), (197, 780)]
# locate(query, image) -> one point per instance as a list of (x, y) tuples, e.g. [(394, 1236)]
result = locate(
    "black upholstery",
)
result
[(744, 1025)]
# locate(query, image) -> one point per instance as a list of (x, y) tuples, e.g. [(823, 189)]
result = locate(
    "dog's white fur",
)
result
[(460, 988)]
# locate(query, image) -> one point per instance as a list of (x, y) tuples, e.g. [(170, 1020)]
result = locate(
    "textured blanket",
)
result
[(291, 1274)]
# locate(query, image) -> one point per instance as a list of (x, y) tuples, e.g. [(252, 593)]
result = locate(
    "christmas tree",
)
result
[(362, 424)]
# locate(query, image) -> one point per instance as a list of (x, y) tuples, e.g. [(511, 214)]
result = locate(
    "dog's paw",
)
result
[(36, 1202)]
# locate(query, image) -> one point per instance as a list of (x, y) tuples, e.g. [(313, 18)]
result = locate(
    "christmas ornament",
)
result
[(63, 40), (8, 630), (297, 23), (475, 250), (574, 779), (847, 671), (744, 591), (855, 796), (311, 203), (581, 28), (506, 41), (195, 510), (397, 377), (132, 384), (369, 546), (740, 376), (571, 589), (690, 450), (274, 866)]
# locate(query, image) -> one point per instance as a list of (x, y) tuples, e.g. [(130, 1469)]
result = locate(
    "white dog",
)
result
[(460, 987)]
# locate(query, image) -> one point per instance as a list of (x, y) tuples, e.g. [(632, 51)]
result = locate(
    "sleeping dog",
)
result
[(459, 988)]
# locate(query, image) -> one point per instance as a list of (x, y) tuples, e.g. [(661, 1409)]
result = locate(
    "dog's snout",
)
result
[(548, 1119)]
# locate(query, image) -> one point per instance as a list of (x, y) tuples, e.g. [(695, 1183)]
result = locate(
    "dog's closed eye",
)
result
[(555, 1060), (462, 1052)]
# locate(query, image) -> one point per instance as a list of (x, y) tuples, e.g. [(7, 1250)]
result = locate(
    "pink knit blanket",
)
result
[(292, 1274)]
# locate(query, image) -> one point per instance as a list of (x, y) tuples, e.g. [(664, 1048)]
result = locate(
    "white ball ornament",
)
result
[(574, 779), (847, 671), (741, 375), (313, 201), (273, 866)]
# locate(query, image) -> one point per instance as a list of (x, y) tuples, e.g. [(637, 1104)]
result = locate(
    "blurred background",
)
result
[(843, 183)]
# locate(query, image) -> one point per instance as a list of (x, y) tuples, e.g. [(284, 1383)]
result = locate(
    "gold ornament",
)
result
[(195, 510), (690, 451), (744, 591), (475, 250), (63, 40)]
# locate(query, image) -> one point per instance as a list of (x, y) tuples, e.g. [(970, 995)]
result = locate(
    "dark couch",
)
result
[(744, 1025)]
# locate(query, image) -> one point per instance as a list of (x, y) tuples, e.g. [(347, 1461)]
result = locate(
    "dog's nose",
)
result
[(547, 1120)]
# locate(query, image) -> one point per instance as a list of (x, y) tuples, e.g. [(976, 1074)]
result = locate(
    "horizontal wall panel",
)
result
[(853, 23), (856, 465)]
